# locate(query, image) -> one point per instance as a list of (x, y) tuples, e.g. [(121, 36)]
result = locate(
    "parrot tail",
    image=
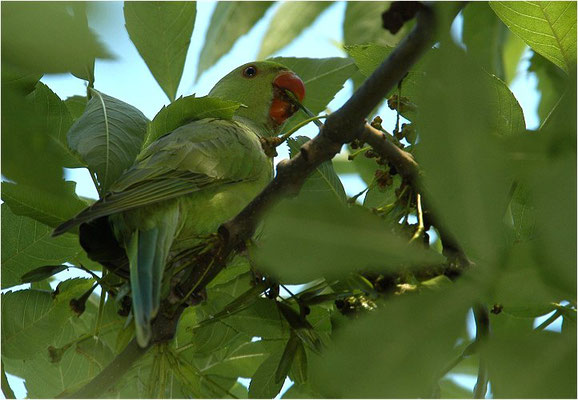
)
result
[(147, 252)]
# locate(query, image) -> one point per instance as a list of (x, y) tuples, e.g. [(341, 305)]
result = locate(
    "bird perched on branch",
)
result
[(188, 182)]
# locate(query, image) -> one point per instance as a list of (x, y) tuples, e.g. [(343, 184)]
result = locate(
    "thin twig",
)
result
[(557, 314), (420, 225), (482, 318)]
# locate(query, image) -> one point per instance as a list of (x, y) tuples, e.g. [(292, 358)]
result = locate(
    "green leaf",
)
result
[(552, 82), (523, 213), (242, 360), (18, 80), (36, 320), (377, 197), (286, 360), (363, 24), (48, 38), (108, 136), (336, 240), (46, 207), (524, 364), (323, 78), (27, 244), (230, 21), (298, 372), (507, 117), (171, 25), (263, 384), (532, 297), (56, 122), (549, 28), (25, 124), (512, 54), (324, 179), (467, 187), (290, 19), (484, 35), (412, 337), (78, 365), (369, 57), (187, 109), (451, 390), (41, 273), (261, 319), (76, 105), (301, 391)]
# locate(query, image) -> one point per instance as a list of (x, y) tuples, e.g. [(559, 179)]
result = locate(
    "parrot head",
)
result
[(260, 86)]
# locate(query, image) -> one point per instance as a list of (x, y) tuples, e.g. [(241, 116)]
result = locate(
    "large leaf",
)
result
[(323, 78), (463, 160), (27, 244), (108, 136), (46, 207), (36, 319), (412, 337), (548, 27), (263, 384), (306, 239), (242, 360), (289, 21), (29, 154), (368, 57), (507, 117), (230, 21), (525, 364), (363, 24), (171, 25), (484, 34), (64, 370), (324, 179), (56, 121), (48, 37), (187, 109), (552, 82)]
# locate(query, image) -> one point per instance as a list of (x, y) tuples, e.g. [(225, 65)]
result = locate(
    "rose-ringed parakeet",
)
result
[(188, 182)]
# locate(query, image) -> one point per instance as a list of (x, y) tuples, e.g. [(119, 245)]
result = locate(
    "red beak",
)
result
[(281, 108)]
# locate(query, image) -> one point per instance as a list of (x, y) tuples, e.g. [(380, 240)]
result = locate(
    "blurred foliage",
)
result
[(379, 312)]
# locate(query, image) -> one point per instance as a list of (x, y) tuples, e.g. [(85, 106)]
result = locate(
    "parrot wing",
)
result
[(194, 157)]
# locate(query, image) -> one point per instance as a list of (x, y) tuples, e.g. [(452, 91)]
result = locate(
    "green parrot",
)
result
[(188, 182)]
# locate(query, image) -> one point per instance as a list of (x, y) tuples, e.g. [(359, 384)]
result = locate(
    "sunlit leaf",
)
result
[(289, 21), (363, 24), (230, 21), (56, 37), (548, 360), (337, 240), (108, 136), (27, 244), (430, 322), (263, 383), (187, 109), (36, 319), (484, 35), (171, 24), (324, 179), (43, 206), (549, 28), (467, 187)]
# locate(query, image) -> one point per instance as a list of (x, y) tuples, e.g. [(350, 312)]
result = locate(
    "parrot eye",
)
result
[(250, 71)]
